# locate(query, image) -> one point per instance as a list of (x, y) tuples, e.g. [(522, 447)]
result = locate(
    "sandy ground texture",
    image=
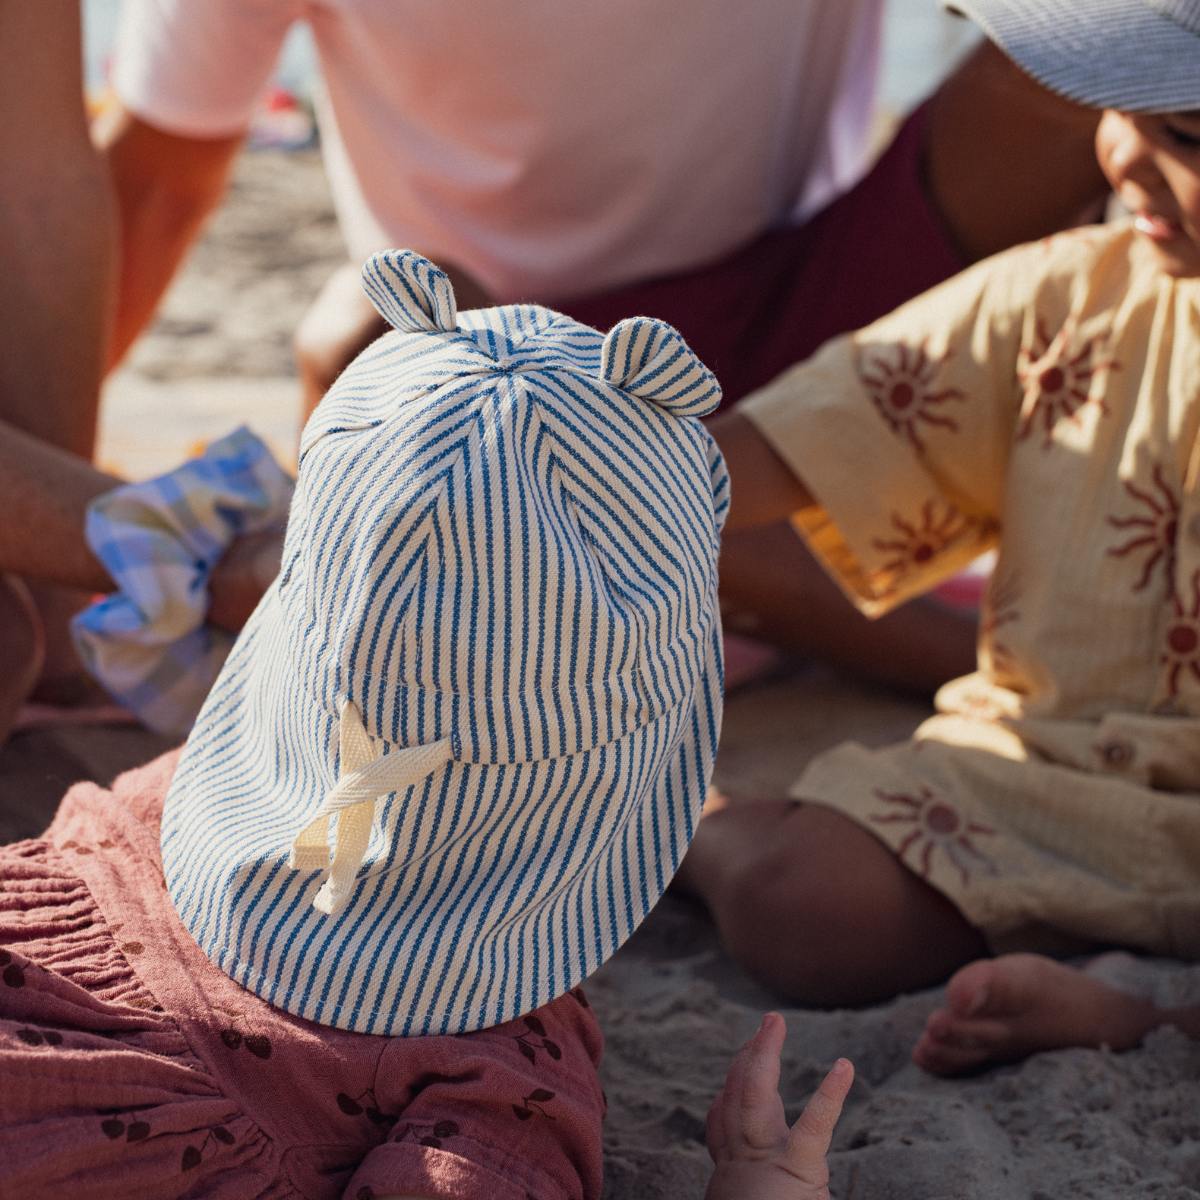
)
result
[(1073, 1124)]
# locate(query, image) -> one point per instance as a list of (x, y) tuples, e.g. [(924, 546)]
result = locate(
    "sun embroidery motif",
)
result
[(1152, 531), (902, 389), (917, 543), (1000, 609), (939, 826), (1058, 378), (1181, 650)]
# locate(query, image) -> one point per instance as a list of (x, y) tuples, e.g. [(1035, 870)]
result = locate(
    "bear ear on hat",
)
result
[(411, 294), (650, 359)]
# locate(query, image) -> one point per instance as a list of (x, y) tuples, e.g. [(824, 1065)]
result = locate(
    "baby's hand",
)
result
[(757, 1157)]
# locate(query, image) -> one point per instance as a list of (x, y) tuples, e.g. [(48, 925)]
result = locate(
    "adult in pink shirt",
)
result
[(695, 160)]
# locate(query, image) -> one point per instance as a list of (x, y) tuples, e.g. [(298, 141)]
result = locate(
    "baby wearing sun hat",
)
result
[(460, 747), (448, 766)]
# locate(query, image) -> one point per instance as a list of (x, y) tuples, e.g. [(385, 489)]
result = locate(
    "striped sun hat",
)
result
[(1134, 55), (460, 748)]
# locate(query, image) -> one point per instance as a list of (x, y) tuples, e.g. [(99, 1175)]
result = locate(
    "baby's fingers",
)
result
[(748, 1113), (809, 1140), (756, 1115)]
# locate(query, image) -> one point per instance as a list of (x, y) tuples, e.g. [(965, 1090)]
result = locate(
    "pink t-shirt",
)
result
[(552, 149)]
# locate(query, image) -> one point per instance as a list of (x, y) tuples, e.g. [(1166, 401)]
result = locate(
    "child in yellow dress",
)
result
[(1045, 405)]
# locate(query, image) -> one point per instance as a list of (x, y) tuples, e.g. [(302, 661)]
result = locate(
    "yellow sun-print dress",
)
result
[(1045, 403)]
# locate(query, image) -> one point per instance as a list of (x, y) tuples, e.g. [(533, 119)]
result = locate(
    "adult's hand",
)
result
[(239, 580)]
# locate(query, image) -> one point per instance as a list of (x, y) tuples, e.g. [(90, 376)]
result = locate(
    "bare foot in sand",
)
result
[(22, 649), (1003, 1009), (754, 1152)]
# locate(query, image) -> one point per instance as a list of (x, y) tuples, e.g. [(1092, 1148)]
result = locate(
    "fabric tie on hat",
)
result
[(364, 776)]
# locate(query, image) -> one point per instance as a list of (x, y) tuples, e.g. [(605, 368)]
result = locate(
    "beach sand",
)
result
[(1072, 1124)]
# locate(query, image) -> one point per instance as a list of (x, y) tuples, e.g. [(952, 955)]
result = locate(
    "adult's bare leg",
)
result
[(57, 230), (21, 649), (818, 909), (342, 321), (58, 240)]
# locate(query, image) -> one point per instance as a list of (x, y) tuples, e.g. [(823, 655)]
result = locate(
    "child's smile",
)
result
[(1152, 161)]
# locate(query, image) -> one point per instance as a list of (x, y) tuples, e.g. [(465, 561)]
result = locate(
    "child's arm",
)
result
[(901, 433), (776, 492), (754, 1152)]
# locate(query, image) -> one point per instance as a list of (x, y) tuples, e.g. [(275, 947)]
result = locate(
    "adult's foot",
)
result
[(1004, 1009)]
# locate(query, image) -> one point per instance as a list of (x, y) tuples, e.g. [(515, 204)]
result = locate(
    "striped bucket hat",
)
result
[(1134, 55), (458, 751)]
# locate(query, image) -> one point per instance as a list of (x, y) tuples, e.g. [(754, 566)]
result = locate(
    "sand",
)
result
[(1075, 1123)]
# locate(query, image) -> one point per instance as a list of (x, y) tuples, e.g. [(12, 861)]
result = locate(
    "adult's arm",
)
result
[(44, 494), (1007, 161), (57, 231), (166, 186)]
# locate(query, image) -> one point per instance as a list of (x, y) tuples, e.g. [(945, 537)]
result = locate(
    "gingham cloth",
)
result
[(461, 746), (148, 643)]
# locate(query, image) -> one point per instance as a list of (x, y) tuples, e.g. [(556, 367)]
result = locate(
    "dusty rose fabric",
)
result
[(130, 1066), (754, 313)]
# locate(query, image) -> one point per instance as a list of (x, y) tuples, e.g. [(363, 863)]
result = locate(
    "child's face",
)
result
[(1152, 161)]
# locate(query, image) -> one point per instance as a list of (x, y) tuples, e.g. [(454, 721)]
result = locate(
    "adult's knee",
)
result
[(339, 324)]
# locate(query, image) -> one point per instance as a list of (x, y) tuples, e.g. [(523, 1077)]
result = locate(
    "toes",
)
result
[(941, 1058), (971, 988)]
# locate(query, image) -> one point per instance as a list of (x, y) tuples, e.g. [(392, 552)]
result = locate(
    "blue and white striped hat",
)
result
[(1133, 55), (460, 748)]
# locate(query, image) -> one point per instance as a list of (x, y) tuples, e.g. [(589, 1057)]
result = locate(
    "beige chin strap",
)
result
[(364, 776)]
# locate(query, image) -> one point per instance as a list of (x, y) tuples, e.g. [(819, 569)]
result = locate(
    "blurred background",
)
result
[(219, 353), (921, 43)]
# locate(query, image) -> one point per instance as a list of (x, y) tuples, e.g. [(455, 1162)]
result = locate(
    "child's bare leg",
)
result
[(772, 588), (820, 910), (21, 649), (1007, 1008), (754, 1152)]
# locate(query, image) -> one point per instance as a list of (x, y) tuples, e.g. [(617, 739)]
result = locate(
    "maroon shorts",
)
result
[(130, 1066), (773, 302)]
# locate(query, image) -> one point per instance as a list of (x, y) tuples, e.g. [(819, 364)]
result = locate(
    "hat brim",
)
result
[(1119, 54), (439, 936)]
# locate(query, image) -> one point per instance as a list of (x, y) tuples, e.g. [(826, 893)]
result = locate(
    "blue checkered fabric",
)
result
[(459, 750), (1132, 55), (148, 643)]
